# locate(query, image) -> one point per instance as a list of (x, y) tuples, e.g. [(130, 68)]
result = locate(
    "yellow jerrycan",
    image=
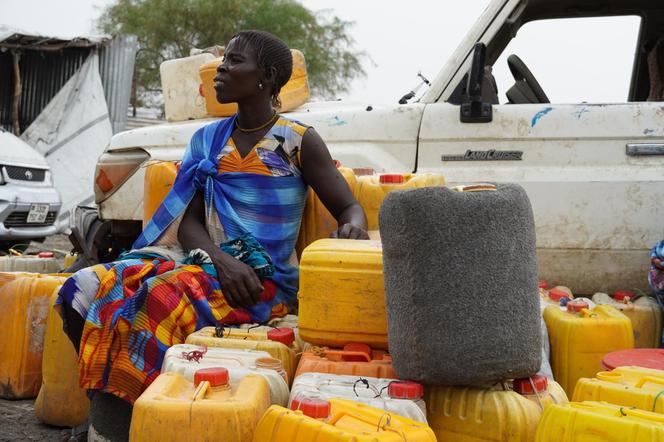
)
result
[(371, 190), (61, 402), (337, 420), (580, 337), (598, 421), (213, 407), (507, 414), (628, 386), (24, 306)]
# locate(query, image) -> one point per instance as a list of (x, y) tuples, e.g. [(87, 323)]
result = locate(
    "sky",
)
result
[(574, 60)]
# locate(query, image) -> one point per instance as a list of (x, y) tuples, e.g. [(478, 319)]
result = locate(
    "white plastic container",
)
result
[(42, 263), (238, 362), (399, 397), (180, 83)]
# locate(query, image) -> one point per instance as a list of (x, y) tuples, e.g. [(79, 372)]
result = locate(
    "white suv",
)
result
[(29, 203)]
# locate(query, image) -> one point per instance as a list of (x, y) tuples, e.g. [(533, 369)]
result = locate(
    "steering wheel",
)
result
[(521, 73)]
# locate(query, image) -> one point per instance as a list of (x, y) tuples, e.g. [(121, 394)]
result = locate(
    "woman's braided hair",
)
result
[(270, 52)]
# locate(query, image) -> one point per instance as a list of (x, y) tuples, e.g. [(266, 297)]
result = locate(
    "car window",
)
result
[(575, 60)]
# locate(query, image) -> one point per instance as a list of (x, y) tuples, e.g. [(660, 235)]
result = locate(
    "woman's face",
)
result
[(238, 75)]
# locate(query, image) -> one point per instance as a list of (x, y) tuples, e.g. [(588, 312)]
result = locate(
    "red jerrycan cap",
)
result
[(312, 407), (577, 306), (556, 294), (337, 163), (405, 390), (357, 348), (640, 357), (216, 376), (284, 335), (45, 255), (523, 385), (543, 284), (391, 178), (622, 294)]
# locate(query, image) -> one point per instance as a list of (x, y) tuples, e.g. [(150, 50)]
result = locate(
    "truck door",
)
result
[(594, 170)]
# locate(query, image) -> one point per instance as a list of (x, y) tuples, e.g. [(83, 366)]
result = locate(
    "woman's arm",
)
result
[(320, 173), (241, 286)]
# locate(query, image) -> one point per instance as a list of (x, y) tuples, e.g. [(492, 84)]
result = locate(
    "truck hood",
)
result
[(16, 152), (332, 119)]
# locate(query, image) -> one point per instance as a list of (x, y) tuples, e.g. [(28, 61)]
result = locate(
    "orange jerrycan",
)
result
[(213, 407), (61, 402), (628, 386), (597, 421), (338, 420), (580, 337), (352, 360), (158, 181), (468, 414), (24, 305), (294, 93), (371, 190), (342, 294), (317, 222), (644, 312)]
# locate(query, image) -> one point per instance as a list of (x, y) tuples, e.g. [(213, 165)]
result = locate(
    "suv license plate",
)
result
[(37, 213)]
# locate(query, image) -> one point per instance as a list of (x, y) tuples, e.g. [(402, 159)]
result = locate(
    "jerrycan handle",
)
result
[(361, 354), (648, 415), (645, 379)]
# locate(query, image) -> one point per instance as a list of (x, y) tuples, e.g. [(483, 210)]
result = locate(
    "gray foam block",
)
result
[(461, 285)]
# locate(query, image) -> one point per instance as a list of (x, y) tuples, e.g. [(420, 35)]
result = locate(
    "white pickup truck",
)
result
[(594, 172)]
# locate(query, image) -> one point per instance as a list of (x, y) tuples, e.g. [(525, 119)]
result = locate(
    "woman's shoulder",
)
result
[(287, 124)]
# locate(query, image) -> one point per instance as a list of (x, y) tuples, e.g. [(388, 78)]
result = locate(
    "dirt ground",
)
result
[(17, 418), (19, 423)]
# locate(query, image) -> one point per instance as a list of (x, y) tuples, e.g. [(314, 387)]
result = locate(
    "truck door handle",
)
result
[(646, 149)]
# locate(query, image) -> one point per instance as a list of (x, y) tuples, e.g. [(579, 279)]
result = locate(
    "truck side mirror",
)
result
[(473, 109)]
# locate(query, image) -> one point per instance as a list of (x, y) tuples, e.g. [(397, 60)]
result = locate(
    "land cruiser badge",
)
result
[(486, 155)]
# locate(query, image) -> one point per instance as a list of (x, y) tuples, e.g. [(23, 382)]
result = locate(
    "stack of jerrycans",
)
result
[(345, 387), (220, 382)]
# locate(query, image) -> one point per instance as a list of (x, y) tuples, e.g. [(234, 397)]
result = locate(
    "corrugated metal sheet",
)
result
[(43, 73), (116, 66)]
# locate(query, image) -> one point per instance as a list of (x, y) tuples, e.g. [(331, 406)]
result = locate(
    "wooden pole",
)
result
[(16, 100)]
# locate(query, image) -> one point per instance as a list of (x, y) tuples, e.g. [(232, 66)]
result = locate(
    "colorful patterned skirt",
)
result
[(136, 309)]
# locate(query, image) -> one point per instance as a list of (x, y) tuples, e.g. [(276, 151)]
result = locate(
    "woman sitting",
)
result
[(242, 184)]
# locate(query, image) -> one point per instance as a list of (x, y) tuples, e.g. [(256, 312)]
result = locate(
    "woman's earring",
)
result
[(260, 86)]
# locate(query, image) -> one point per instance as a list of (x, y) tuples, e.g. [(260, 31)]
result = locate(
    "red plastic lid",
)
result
[(201, 91), (356, 347), (284, 335), (216, 376), (337, 163), (556, 294), (312, 407), (543, 284), (622, 294), (577, 306), (523, 385), (45, 255), (360, 171), (391, 179), (640, 357), (405, 390)]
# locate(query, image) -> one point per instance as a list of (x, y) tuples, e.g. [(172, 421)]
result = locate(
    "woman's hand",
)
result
[(239, 283), (349, 231)]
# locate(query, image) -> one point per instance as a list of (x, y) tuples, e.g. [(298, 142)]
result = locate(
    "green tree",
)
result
[(168, 29)]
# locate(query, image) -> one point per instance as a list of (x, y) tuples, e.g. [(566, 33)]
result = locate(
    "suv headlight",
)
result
[(114, 169)]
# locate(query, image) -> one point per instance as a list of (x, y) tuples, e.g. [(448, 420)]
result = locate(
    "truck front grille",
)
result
[(20, 219), (25, 173)]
